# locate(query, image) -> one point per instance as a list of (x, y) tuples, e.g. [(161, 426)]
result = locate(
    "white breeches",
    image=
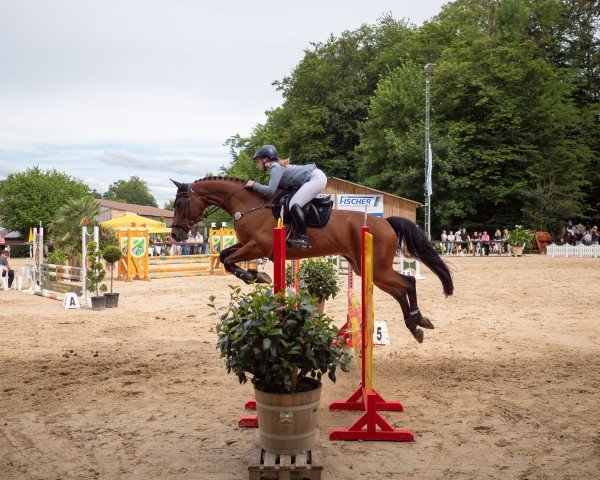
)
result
[(315, 185)]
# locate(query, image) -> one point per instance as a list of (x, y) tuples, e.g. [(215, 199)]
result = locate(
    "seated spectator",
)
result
[(2, 243), (4, 261), (444, 239), (497, 241)]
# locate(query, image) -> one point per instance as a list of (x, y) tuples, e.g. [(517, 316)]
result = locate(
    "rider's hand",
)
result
[(249, 183)]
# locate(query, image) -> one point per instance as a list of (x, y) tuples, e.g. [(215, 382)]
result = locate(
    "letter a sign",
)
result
[(70, 301)]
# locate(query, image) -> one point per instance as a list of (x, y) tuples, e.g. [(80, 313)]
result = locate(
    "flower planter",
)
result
[(517, 250), (98, 303), (287, 422), (112, 300)]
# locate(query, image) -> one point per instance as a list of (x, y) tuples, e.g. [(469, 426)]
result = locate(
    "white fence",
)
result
[(573, 250)]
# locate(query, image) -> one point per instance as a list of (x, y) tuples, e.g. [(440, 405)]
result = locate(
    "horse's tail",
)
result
[(419, 247)]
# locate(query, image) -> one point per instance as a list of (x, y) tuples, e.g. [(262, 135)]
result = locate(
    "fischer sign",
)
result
[(373, 203)]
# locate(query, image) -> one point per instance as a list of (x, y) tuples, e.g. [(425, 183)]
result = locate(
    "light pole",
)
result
[(429, 68)]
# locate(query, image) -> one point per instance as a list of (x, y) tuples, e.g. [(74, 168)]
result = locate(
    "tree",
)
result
[(28, 197), (134, 190), (66, 227)]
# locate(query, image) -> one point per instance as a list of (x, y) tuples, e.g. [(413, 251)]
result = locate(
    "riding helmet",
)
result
[(266, 151)]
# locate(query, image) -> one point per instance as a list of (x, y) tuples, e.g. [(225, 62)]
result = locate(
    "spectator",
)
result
[(464, 239), (11, 272), (171, 247), (199, 242), (2, 243), (595, 234), (485, 242), (476, 239), (189, 248), (497, 240), (158, 244), (505, 240), (444, 239), (451, 238)]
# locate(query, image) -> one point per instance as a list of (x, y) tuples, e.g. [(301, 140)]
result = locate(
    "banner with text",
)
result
[(358, 203)]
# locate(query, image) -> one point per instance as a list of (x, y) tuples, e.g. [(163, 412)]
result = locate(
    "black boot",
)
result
[(299, 223)]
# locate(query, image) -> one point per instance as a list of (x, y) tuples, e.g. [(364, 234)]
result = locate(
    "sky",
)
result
[(103, 90)]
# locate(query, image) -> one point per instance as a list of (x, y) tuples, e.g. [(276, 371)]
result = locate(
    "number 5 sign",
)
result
[(380, 334)]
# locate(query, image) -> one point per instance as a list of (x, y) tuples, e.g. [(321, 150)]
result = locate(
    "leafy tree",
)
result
[(134, 190), (170, 205), (514, 121), (33, 196), (66, 226)]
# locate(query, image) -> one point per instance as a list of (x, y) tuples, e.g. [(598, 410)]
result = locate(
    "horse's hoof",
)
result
[(425, 323), (418, 334), (262, 277)]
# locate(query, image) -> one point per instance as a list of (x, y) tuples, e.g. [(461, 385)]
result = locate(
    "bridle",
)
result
[(186, 209)]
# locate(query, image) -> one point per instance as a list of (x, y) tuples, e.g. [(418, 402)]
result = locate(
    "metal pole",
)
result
[(429, 68), (427, 197)]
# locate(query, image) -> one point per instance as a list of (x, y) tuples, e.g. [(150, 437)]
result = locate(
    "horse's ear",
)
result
[(177, 184)]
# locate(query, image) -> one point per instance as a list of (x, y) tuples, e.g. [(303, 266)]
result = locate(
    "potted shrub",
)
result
[(111, 254), (95, 274), (318, 277), (283, 346), (518, 238)]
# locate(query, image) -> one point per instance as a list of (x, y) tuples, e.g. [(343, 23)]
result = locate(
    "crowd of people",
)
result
[(193, 245), (461, 242), (579, 234)]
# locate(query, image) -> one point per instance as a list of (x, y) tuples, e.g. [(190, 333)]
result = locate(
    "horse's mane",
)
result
[(229, 179)]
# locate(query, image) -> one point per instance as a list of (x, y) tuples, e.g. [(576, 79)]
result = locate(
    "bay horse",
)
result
[(254, 223)]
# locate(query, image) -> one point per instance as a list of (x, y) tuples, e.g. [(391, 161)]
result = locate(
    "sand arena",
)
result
[(507, 386)]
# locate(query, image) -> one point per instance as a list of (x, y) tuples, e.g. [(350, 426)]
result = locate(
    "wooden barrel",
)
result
[(287, 422)]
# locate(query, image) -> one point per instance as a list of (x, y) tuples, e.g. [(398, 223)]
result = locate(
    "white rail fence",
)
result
[(573, 250)]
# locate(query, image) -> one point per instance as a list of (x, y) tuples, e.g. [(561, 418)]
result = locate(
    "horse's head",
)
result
[(189, 208)]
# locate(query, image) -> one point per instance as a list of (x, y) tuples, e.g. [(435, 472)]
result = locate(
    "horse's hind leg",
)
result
[(402, 288)]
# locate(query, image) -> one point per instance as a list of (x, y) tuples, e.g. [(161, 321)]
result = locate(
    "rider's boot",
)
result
[(299, 223)]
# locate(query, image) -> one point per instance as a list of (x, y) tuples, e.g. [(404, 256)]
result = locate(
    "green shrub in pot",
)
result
[(277, 341), (111, 254), (318, 277), (520, 236)]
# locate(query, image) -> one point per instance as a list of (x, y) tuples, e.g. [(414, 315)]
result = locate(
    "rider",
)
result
[(309, 180)]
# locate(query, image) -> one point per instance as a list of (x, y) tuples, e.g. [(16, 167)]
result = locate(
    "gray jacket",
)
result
[(283, 177)]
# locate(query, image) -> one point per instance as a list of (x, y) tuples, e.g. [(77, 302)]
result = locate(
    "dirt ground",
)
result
[(507, 386)]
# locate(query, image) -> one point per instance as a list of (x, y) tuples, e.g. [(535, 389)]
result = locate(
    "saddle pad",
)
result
[(317, 211)]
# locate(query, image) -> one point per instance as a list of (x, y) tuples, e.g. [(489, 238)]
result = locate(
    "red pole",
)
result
[(279, 258)]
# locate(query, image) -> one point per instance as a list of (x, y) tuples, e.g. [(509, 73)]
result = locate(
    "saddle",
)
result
[(316, 212)]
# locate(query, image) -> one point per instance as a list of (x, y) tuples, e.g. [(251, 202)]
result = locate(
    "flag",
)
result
[(428, 187), (30, 235)]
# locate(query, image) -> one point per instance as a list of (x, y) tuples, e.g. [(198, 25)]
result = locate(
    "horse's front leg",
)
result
[(242, 252)]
